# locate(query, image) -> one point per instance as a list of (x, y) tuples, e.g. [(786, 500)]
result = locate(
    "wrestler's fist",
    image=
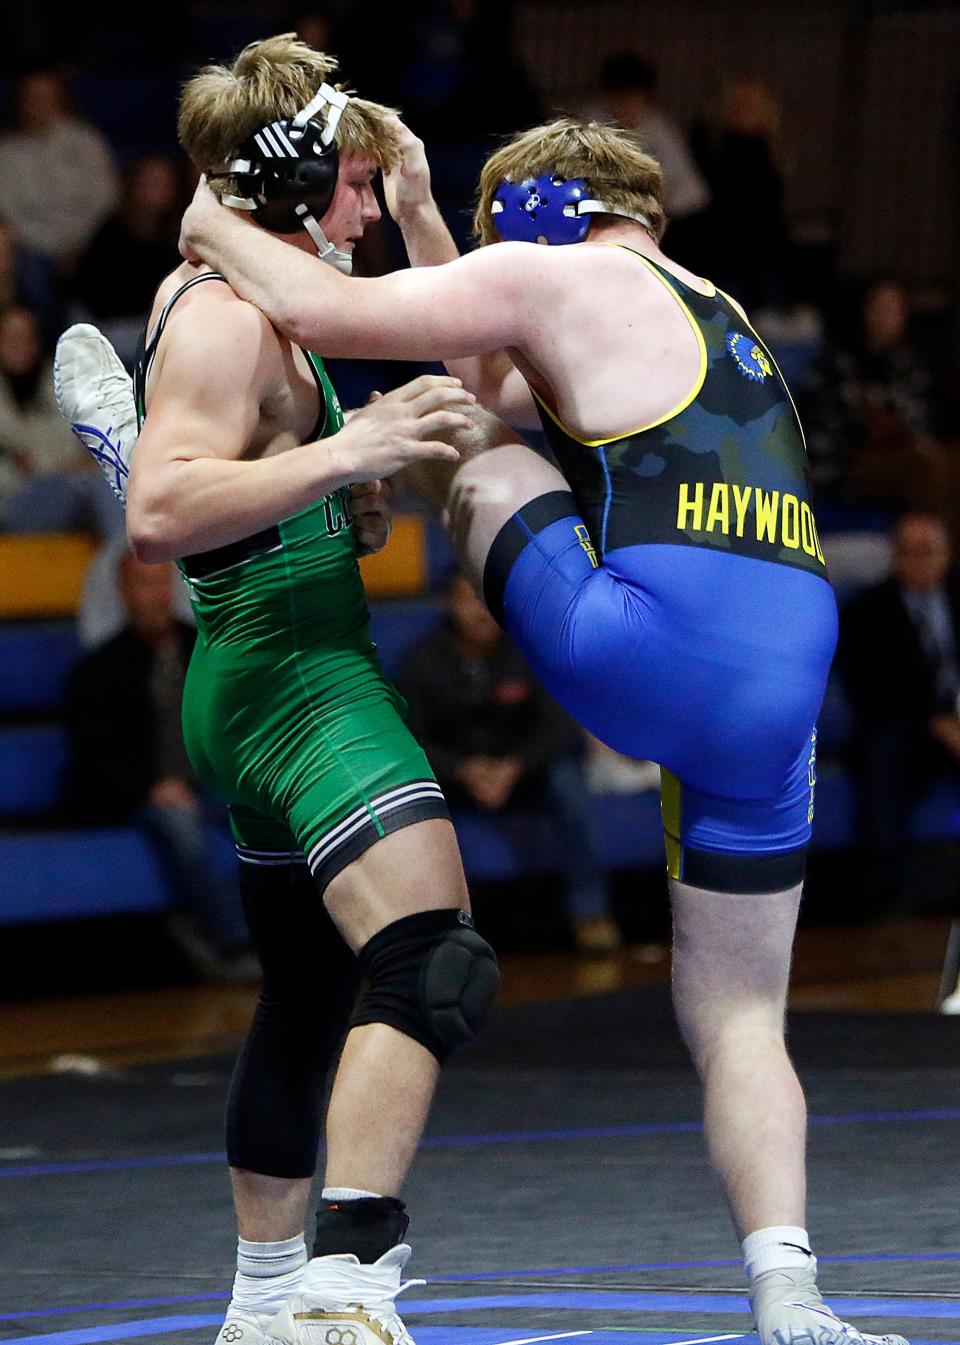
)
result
[(410, 424), (202, 214), (371, 503), (406, 187)]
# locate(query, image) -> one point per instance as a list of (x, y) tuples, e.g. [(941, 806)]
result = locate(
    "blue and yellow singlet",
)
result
[(675, 601)]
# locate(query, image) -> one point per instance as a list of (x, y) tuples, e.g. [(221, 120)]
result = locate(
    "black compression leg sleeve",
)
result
[(367, 1227), (274, 1108)]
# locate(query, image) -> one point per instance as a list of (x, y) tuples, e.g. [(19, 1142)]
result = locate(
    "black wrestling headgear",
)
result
[(288, 171)]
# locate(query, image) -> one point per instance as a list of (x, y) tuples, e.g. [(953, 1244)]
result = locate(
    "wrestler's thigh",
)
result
[(415, 869), (485, 493)]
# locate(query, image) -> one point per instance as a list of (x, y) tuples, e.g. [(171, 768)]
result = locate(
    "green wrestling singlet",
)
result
[(286, 712)]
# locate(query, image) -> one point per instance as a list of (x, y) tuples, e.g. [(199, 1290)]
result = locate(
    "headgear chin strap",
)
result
[(549, 209), (289, 171)]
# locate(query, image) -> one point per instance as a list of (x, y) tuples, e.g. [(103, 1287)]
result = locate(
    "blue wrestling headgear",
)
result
[(289, 172), (549, 209)]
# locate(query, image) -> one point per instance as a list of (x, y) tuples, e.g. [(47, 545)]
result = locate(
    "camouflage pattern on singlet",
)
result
[(726, 469)]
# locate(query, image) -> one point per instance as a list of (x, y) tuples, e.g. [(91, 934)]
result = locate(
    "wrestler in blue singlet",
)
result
[(677, 604)]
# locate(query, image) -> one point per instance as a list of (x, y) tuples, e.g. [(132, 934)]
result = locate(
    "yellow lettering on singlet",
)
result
[(741, 501), (790, 522), (816, 540), (693, 507), (807, 529), (767, 509), (719, 511)]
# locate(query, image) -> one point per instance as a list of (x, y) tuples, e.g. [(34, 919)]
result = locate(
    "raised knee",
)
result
[(475, 487), (432, 977)]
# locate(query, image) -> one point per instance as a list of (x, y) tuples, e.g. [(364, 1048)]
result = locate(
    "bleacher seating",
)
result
[(36, 659), (32, 759), (65, 874), (41, 575)]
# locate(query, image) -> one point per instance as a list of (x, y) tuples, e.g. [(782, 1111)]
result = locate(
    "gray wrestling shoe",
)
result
[(789, 1310), (95, 396)]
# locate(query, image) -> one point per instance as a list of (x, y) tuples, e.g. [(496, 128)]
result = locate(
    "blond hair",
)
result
[(222, 106), (610, 161)]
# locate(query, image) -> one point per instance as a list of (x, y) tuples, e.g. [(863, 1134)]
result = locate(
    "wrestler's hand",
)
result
[(202, 214), (371, 503), (407, 187), (406, 426)]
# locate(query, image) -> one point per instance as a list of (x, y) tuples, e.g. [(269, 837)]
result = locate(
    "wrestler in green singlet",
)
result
[(286, 712)]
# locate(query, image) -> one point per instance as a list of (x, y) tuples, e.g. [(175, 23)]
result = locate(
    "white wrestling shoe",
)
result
[(243, 1328), (95, 396), (342, 1302), (788, 1310)]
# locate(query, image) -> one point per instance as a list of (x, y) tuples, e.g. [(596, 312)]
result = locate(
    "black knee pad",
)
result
[(432, 977)]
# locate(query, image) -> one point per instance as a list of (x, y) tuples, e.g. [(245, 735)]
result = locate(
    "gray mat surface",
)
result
[(563, 1163)]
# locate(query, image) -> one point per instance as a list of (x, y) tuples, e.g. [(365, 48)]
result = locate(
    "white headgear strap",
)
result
[(342, 261), (326, 96), (598, 208)]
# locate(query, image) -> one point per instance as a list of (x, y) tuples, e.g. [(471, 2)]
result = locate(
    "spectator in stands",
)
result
[(118, 273), (739, 150), (47, 481), (497, 742), (899, 656), (27, 278), (58, 174), (128, 764), (866, 408), (628, 97)]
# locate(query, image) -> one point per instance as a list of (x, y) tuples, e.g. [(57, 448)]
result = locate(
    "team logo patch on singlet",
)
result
[(750, 359), (583, 537)]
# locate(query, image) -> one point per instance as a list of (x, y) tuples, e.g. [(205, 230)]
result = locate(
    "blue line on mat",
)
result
[(614, 1301), (109, 1165), (89, 1335), (473, 1140), (856, 1257), (655, 1301), (119, 1305)]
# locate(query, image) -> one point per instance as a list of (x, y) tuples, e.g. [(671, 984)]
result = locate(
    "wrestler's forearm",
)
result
[(298, 293), (426, 237), (188, 505), (429, 243)]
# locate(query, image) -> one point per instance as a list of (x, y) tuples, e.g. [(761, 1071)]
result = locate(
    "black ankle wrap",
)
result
[(367, 1227)]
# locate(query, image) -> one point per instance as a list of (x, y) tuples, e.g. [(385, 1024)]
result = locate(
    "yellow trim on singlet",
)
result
[(675, 411), (671, 806)]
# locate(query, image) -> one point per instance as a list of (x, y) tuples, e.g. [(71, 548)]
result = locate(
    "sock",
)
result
[(267, 1273), (348, 1193), (780, 1248)]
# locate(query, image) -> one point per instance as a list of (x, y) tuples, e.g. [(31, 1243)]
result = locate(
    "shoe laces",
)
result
[(383, 1316), (342, 1278), (384, 1312)]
